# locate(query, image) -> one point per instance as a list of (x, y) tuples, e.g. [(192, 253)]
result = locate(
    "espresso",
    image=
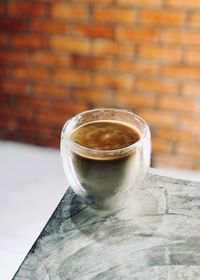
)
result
[(103, 177), (105, 135)]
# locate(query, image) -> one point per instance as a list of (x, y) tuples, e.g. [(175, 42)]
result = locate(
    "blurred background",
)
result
[(58, 58)]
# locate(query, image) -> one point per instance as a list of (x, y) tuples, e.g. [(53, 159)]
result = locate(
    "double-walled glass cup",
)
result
[(106, 179)]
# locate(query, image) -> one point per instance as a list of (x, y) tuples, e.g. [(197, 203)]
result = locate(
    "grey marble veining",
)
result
[(158, 242)]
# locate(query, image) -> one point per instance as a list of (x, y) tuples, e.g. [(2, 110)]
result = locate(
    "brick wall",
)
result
[(62, 57)]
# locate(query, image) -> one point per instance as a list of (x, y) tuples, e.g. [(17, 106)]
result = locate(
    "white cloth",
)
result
[(32, 183)]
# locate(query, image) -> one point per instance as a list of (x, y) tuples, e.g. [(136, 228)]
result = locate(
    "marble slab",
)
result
[(160, 240)]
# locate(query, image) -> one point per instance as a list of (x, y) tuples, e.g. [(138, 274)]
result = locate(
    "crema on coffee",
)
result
[(105, 135)]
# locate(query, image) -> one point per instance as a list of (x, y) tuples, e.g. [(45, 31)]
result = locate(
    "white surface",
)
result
[(183, 174), (31, 185)]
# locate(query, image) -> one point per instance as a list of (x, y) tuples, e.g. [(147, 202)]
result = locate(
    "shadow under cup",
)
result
[(106, 179)]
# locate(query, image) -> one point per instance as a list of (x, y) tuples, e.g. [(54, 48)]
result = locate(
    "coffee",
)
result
[(106, 155), (105, 135), (102, 176)]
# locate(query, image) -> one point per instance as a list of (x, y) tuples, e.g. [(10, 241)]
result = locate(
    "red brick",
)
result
[(158, 118), (91, 96), (176, 135), (69, 12), (71, 45), (2, 8), (181, 71), (192, 56), (133, 100), (28, 41), (19, 137), (14, 87), (26, 9), (188, 149), (191, 89), (12, 25), (189, 122), (27, 73), (157, 86), (81, 54), (6, 126), (114, 14), (49, 27), (94, 31), (194, 19), (3, 40), (13, 57), (143, 3), (180, 37), (192, 4), (162, 17), (139, 34), (93, 63), (4, 72), (50, 91), (172, 161), (196, 165), (160, 52), (15, 112), (50, 59), (5, 100), (72, 77), (104, 47), (53, 119), (61, 106), (113, 81), (33, 103), (161, 146), (177, 104), (135, 66), (96, 1), (29, 128)]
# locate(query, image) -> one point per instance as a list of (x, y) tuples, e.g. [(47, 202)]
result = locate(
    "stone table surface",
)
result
[(158, 239)]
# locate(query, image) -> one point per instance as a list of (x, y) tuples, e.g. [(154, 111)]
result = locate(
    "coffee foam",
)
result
[(104, 154)]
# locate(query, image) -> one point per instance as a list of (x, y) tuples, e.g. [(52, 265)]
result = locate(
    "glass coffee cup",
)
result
[(109, 174)]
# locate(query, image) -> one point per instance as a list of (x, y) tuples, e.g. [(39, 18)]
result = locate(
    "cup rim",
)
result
[(66, 133)]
